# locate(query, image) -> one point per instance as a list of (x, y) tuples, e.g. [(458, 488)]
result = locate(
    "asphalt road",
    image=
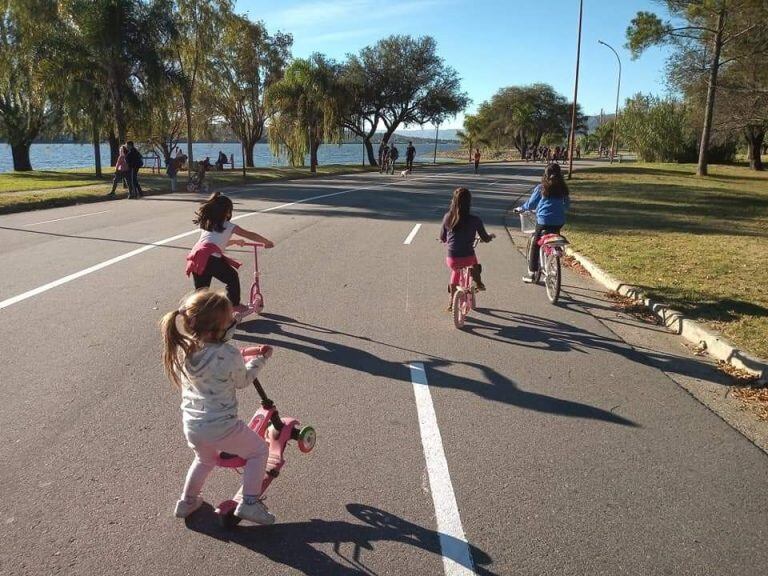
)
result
[(569, 449)]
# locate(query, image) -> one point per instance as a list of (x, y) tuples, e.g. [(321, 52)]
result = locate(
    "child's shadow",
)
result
[(292, 544)]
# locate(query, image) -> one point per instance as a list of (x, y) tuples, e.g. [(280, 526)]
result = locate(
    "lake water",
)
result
[(56, 156)]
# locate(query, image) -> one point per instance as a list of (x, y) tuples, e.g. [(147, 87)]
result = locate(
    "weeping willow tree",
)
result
[(307, 104)]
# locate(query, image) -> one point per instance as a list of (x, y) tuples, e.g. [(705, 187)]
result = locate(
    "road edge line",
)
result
[(457, 558)]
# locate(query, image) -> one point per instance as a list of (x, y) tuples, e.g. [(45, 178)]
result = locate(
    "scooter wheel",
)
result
[(307, 439)]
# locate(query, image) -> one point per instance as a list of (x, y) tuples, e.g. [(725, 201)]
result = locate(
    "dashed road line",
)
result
[(412, 234)]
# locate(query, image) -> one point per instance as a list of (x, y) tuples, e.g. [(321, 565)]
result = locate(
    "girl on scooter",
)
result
[(199, 360), (550, 200), (207, 259), (458, 232)]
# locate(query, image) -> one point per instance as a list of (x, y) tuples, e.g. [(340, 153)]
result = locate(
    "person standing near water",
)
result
[(410, 154), (121, 170), (135, 162)]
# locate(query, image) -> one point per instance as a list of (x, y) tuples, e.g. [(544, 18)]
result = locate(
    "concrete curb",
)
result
[(715, 345)]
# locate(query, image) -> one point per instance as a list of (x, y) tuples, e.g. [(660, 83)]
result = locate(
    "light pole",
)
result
[(437, 130), (618, 89), (572, 143)]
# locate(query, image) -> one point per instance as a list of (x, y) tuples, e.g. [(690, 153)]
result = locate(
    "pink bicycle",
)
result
[(464, 300), (277, 432), (256, 302)]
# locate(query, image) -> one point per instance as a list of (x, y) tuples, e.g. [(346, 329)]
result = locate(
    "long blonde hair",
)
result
[(200, 313)]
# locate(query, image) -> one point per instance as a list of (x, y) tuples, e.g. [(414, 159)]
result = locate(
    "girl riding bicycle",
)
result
[(199, 360), (207, 260), (459, 231), (550, 200)]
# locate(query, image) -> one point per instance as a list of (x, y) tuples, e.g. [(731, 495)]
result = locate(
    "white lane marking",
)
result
[(457, 559), (45, 287), (67, 218), (412, 235)]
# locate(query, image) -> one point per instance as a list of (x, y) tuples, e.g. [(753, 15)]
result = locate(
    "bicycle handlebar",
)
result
[(257, 244)]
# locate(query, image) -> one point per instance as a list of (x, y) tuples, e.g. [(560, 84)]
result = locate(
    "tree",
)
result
[(708, 27), (308, 106), (197, 27), (604, 133), (366, 88), (246, 63), (27, 65), (656, 129), (470, 136), (420, 88), (519, 116), (114, 44)]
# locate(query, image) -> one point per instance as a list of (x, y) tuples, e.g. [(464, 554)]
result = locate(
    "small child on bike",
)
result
[(458, 232), (550, 199), (199, 360), (207, 259)]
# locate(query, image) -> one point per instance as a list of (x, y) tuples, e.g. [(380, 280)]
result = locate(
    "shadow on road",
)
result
[(292, 544), (284, 332)]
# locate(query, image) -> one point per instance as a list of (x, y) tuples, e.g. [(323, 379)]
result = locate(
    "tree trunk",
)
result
[(249, 146), (20, 154), (114, 147), (369, 150), (95, 136), (314, 145), (706, 132), (755, 138)]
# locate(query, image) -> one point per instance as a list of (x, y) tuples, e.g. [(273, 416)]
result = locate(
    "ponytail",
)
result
[(176, 347)]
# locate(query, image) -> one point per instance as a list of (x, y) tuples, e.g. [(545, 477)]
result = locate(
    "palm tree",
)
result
[(308, 104)]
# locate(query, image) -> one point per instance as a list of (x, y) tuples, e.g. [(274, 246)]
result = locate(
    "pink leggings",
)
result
[(241, 441), (456, 264)]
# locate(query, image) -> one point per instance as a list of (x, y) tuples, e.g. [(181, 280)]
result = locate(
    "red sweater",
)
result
[(197, 259)]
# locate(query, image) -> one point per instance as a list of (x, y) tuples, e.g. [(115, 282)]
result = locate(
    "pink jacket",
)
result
[(122, 164), (197, 259)]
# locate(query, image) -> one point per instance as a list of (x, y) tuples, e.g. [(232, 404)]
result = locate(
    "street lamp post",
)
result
[(618, 90), (572, 143), (437, 130)]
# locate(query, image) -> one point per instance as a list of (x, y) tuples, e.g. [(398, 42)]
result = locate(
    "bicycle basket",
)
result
[(528, 222)]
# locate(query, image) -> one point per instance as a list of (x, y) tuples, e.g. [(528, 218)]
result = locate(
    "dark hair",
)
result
[(213, 213), (129, 143), (459, 210), (552, 183)]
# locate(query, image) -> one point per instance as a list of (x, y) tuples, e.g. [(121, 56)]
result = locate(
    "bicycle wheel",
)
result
[(552, 280), (459, 308)]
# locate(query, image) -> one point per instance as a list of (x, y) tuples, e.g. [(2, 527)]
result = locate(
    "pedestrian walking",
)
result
[(477, 160), (394, 154), (172, 170), (135, 162), (121, 169), (384, 162), (410, 155)]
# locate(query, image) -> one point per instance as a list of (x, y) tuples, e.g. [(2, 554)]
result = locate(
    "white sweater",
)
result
[(211, 376)]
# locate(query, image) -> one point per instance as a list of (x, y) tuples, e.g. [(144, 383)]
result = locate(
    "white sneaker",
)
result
[(528, 278), (256, 512), (185, 507)]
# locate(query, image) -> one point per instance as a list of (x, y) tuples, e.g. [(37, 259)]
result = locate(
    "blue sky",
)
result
[(491, 43)]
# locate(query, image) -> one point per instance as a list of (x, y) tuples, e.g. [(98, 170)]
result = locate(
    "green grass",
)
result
[(698, 244), (21, 191)]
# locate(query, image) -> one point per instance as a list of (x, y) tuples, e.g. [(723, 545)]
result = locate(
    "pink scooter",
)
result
[(277, 432), (256, 303)]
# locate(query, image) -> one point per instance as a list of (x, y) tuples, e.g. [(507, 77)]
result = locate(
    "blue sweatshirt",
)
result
[(549, 211)]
